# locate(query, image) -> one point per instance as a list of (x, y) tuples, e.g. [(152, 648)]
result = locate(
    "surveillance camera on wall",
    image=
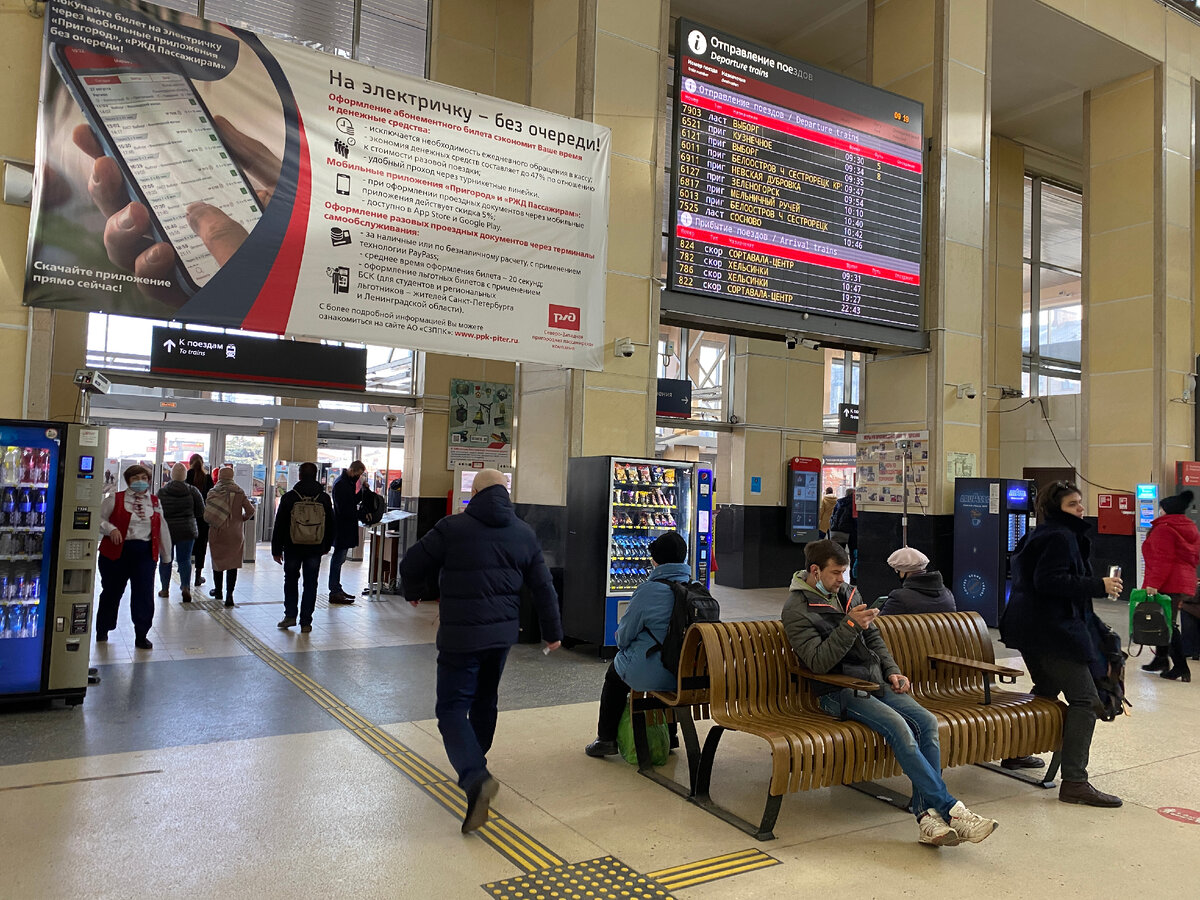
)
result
[(791, 339), (623, 348), (966, 390)]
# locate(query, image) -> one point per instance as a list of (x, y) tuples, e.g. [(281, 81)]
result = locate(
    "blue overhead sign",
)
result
[(1147, 491)]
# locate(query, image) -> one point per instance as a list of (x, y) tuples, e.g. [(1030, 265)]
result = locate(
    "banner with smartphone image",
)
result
[(191, 171)]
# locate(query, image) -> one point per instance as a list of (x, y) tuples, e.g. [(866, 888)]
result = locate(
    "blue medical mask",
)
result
[(139, 487)]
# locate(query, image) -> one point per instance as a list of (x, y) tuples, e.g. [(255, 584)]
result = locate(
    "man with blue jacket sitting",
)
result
[(643, 626)]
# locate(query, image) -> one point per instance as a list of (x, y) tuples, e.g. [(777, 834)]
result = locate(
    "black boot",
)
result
[(1160, 663), (1177, 674)]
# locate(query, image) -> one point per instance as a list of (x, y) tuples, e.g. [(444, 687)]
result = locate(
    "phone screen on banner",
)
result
[(169, 144)]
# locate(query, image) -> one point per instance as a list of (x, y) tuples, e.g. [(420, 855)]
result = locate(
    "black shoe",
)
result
[(1023, 762), (143, 643), (286, 622), (479, 800), (600, 748), (305, 629), (1158, 664), (199, 580), (215, 593), (229, 601), (340, 597), (1177, 674), (1085, 795), (101, 637), (187, 595)]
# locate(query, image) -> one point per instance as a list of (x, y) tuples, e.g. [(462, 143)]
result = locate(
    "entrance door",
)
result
[(178, 446), (251, 449), (127, 446)]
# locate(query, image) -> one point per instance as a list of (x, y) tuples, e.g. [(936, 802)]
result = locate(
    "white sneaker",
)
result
[(934, 830), (968, 825)]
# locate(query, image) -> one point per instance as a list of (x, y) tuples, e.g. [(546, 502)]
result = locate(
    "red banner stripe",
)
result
[(816, 137), (816, 259)]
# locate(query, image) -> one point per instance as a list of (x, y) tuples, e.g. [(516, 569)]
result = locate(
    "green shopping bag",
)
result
[(1149, 619), (657, 737)]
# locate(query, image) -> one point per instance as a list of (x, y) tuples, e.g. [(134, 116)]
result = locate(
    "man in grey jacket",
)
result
[(831, 631)]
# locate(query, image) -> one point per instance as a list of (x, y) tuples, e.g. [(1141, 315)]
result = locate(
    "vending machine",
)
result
[(50, 491), (991, 515), (705, 486), (464, 482), (615, 508)]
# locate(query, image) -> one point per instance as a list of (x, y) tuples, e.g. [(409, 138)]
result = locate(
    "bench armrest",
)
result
[(977, 664), (842, 681)]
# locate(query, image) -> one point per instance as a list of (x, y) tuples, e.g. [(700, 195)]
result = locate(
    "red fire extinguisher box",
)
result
[(1115, 513)]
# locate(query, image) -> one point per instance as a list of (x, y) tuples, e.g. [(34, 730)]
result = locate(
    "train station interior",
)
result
[(1054, 338)]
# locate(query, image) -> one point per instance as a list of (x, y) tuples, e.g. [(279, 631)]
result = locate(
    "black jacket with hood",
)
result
[(921, 592), (480, 559)]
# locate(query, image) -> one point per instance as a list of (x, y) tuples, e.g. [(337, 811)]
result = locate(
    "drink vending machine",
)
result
[(50, 493), (615, 508), (991, 515)]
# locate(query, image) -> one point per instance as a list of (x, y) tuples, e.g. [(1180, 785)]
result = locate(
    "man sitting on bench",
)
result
[(831, 631)]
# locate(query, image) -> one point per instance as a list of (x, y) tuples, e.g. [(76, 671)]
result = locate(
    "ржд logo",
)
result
[(564, 317)]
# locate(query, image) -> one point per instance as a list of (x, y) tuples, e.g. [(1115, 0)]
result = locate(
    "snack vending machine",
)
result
[(615, 508), (50, 492), (991, 515)]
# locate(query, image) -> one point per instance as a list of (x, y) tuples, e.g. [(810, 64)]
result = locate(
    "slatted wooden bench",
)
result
[(745, 677)]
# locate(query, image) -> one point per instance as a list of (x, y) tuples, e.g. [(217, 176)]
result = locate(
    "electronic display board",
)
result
[(793, 187)]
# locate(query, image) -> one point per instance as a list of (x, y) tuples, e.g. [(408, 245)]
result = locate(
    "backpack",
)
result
[(1149, 619), (217, 508), (693, 603), (1110, 687), (371, 506), (307, 525)]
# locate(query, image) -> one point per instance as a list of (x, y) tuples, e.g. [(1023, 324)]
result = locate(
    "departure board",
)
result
[(793, 186)]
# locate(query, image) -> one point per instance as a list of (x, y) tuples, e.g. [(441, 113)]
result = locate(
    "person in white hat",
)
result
[(922, 590)]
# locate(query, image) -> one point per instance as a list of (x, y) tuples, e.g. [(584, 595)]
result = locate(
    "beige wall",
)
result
[(1004, 294)]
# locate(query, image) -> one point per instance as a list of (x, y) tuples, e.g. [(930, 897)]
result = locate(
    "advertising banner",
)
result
[(191, 171), (480, 424), (883, 472)]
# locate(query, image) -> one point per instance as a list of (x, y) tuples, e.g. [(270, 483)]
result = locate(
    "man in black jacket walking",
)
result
[(481, 559), (299, 545)]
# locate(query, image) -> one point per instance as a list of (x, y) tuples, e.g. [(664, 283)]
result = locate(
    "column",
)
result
[(1137, 279), (942, 61), (1003, 316)]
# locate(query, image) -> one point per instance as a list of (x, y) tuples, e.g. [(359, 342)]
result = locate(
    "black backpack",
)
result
[(1150, 625), (371, 506), (693, 603), (1110, 687)]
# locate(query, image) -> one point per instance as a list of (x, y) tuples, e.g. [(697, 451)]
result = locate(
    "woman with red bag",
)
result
[(1171, 552)]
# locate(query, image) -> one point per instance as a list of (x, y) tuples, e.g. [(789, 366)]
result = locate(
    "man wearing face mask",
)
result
[(136, 536), (832, 631)]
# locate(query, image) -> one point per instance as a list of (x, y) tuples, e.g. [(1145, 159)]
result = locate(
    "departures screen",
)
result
[(793, 186)]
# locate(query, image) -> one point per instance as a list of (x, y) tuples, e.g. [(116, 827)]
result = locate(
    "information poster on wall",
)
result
[(883, 472), (480, 423), (191, 171)]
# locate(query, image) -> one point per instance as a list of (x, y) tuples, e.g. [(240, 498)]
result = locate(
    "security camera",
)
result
[(791, 339), (966, 390), (389, 419), (623, 348)]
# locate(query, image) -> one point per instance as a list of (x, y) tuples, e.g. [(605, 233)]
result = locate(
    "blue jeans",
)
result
[(911, 731), (335, 568), (295, 564), (467, 689), (183, 556)]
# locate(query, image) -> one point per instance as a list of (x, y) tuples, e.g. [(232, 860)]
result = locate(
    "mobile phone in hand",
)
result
[(879, 601)]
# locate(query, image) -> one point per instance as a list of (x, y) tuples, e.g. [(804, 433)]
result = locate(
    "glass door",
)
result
[(178, 446), (127, 446), (250, 449)]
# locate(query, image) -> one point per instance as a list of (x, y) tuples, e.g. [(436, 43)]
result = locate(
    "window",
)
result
[(1052, 311), (702, 357)]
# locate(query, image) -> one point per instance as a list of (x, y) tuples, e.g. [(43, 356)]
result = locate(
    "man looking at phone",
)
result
[(832, 631)]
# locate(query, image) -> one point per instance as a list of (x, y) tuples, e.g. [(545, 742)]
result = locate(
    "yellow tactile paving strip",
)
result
[(510, 841), (549, 876)]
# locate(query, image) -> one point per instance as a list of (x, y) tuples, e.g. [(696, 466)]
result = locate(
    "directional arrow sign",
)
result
[(170, 345)]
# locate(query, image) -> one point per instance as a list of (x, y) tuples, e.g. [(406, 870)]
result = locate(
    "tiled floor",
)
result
[(239, 760)]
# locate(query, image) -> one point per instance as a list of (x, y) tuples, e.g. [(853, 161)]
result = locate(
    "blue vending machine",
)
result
[(991, 515), (49, 521), (704, 526)]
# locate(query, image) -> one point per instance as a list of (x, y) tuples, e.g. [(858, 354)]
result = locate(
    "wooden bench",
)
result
[(745, 677)]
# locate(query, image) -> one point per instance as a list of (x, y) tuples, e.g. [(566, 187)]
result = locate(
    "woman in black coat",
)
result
[(1050, 619)]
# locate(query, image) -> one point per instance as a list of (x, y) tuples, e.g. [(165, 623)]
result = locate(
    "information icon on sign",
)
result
[(340, 276), (339, 237)]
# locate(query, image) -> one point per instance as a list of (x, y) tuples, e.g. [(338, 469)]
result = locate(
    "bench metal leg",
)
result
[(646, 765), (1045, 780), (886, 794), (704, 772)]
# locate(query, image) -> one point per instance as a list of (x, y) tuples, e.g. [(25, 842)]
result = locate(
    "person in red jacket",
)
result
[(1171, 552)]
